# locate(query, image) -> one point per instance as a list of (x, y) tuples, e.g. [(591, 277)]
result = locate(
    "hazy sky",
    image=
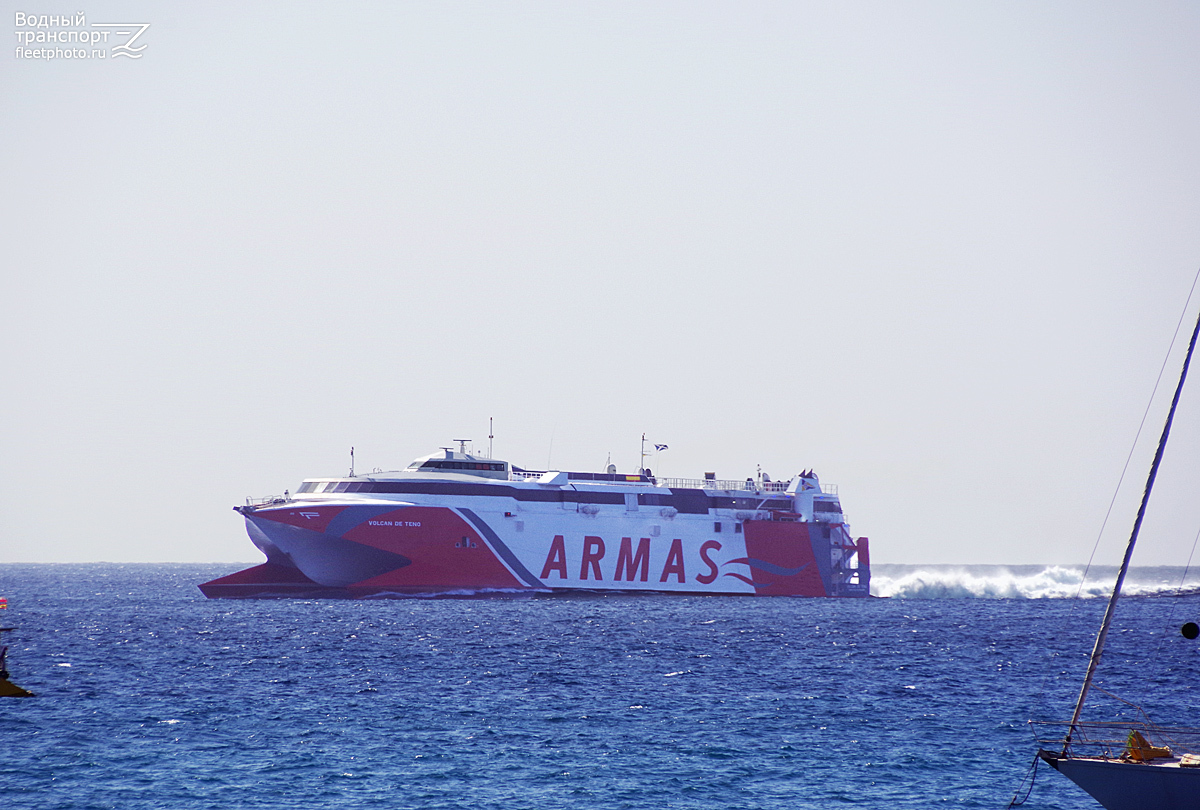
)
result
[(935, 251)]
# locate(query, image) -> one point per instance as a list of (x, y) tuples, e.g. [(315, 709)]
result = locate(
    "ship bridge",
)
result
[(447, 460)]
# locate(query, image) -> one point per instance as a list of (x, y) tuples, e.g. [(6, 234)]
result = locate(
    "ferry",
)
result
[(456, 524)]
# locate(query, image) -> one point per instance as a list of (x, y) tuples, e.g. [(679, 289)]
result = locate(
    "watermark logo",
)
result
[(133, 31), (42, 36)]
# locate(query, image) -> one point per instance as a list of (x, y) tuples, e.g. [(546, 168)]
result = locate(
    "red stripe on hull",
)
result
[(786, 547), (446, 553)]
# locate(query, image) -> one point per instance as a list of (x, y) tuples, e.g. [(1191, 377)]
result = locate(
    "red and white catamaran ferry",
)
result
[(454, 523)]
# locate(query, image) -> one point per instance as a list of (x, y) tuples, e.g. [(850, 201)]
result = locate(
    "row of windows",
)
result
[(696, 502), (615, 477), (335, 486), (827, 506), (686, 501), (443, 464)]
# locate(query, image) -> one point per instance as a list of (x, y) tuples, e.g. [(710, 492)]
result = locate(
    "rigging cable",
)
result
[(1191, 554), (1032, 774), (1142, 424), (1175, 602), (1110, 611), (1125, 469), (1031, 777)]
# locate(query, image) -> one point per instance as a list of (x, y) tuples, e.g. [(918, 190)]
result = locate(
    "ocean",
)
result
[(151, 696)]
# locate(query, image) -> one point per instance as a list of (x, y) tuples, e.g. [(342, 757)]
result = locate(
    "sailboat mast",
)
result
[(1098, 649)]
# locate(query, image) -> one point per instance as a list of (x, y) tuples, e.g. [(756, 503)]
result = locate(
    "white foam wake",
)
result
[(994, 582)]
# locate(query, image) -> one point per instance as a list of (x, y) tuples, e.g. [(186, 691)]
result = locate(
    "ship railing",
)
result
[(732, 485), (1111, 739), (743, 485), (266, 501), (726, 484)]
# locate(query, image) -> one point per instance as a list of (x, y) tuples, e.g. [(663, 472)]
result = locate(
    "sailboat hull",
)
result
[(1120, 785)]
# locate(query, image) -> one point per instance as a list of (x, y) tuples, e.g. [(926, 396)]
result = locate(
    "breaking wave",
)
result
[(1018, 582)]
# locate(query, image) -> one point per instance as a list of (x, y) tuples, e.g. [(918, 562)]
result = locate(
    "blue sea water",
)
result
[(150, 696)]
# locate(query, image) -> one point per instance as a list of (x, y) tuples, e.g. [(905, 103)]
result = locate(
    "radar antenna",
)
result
[(462, 445)]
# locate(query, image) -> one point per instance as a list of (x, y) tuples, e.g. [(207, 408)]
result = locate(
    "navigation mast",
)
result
[(1098, 649)]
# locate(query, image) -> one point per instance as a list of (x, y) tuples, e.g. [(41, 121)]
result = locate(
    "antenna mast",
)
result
[(490, 437), (352, 462)]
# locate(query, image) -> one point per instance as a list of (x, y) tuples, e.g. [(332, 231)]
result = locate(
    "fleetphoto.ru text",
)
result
[(71, 36)]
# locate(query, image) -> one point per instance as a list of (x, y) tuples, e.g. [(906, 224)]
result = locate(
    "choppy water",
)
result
[(151, 696)]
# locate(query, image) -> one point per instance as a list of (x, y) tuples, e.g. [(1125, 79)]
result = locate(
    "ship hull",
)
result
[(362, 549), (1121, 785)]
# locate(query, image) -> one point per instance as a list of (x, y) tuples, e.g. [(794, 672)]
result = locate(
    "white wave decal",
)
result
[(996, 582)]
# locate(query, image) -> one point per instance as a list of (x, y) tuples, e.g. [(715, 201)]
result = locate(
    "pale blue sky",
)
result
[(934, 250)]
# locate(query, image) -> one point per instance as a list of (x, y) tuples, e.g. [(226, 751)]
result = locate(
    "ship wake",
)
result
[(1020, 582)]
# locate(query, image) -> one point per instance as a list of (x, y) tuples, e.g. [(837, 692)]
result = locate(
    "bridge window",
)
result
[(444, 464)]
